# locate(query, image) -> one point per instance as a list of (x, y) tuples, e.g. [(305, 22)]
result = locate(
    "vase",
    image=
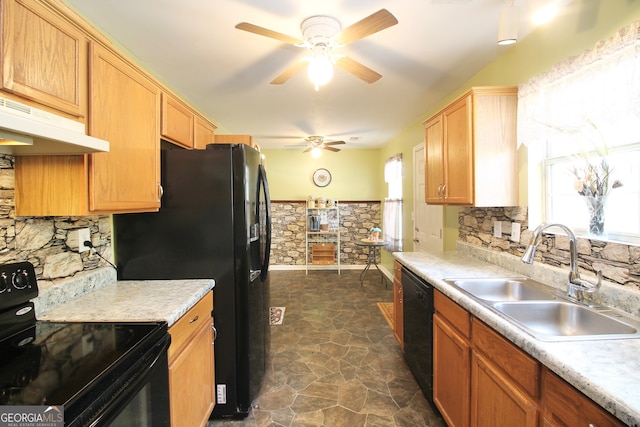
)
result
[(595, 206)]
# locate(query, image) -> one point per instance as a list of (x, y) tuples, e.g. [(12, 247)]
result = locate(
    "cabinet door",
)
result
[(192, 382), (564, 406), (204, 134), (434, 163), (458, 157), (177, 121), (451, 373), (44, 57), (398, 309), (125, 110), (495, 401)]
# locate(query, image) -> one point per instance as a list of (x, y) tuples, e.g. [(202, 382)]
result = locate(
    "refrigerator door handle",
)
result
[(262, 183)]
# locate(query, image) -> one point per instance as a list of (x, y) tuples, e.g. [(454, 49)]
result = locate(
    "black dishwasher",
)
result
[(418, 329)]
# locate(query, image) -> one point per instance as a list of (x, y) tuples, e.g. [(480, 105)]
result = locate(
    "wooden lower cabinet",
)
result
[(191, 366), (563, 405), (482, 379), (451, 373), (495, 400), (398, 308)]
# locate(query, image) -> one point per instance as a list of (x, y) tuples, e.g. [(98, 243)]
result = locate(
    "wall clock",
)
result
[(321, 177)]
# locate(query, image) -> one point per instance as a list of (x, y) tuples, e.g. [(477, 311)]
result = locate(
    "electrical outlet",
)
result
[(83, 236), (497, 229), (76, 239), (515, 232)]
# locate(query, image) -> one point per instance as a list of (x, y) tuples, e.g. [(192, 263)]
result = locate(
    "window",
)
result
[(392, 219), (586, 111)]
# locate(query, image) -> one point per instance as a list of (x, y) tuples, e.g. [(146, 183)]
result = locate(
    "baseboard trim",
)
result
[(384, 270)]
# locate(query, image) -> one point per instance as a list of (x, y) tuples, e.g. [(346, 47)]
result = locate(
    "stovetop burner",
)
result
[(51, 363)]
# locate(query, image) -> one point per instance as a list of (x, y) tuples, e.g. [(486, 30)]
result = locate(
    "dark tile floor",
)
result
[(334, 359)]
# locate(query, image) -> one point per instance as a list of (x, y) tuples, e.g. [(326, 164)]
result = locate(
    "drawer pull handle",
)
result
[(215, 333), (194, 319)]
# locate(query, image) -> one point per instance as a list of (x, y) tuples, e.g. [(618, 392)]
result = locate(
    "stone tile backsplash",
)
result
[(620, 263), (42, 240)]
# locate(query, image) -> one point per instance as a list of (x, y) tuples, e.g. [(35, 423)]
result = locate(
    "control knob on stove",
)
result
[(4, 282), (20, 279)]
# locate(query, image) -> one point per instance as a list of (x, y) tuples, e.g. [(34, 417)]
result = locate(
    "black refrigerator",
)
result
[(214, 223)]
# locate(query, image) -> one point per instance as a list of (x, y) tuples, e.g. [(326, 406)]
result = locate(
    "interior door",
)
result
[(427, 219)]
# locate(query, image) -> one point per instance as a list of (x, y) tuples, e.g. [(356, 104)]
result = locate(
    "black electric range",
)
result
[(93, 371)]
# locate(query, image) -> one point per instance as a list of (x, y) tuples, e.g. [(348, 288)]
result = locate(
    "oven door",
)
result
[(148, 406), (137, 395)]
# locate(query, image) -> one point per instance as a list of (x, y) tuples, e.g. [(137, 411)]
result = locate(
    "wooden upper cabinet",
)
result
[(204, 133), (434, 160), (471, 150), (177, 121), (125, 110), (44, 57)]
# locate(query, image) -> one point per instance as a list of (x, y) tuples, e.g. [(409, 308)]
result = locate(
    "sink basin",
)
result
[(560, 320), (501, 289)]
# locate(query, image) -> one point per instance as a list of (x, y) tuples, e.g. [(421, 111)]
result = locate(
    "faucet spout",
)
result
[(575, 286)]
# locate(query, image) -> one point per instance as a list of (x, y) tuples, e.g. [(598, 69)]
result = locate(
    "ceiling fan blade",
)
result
[(334, 143), (245, 26), (286, 75), (371, 24), (357, 69), (308, 149), (330, 148)]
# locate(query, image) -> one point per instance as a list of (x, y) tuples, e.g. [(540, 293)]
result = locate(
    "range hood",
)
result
[(25, 131)]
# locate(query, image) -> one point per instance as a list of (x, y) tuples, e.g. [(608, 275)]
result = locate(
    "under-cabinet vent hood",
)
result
[(25, 130)]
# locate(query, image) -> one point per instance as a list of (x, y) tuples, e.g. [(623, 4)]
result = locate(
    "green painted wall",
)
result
[(355, 174), (579, 28)]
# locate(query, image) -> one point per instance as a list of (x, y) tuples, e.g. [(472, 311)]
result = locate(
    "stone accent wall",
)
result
[(42, 240), (289, 228), (619, 263)]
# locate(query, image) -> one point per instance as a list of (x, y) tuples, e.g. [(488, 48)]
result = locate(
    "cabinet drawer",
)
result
[(522, 368), (187, 325), (455, 315), (397, 270)]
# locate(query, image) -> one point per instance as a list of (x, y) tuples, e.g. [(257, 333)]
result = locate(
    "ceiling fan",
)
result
[(320, 36), (317, 142)]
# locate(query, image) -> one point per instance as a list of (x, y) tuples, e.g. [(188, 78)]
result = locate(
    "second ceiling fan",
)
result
[(320, 36)]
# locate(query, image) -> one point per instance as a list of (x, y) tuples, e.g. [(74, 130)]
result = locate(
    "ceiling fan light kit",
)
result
[(321, 35), (320, 69)]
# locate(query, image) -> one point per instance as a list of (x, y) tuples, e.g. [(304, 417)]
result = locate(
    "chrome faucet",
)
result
[(576, 286)]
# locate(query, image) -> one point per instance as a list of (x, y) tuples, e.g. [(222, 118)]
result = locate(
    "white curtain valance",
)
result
[(595, 95)]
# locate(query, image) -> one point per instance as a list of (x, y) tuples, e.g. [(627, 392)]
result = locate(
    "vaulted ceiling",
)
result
[(193, 47)]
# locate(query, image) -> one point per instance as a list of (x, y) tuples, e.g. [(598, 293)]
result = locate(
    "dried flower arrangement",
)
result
[(592, 180)]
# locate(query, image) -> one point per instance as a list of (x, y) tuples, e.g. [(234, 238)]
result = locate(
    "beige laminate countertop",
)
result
[(133, 301), (608, 371)]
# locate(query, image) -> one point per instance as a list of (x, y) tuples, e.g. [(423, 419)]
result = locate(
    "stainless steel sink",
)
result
[(563, 320), (502, 289)]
